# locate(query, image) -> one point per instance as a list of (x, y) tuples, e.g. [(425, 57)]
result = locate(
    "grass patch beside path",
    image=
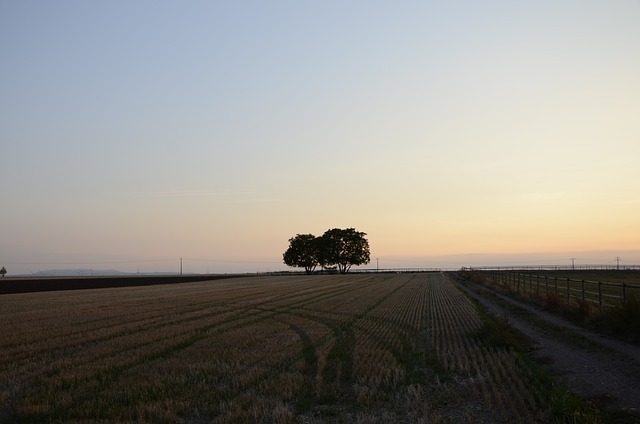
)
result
[(558, 332), (619, 320), (565, 407)]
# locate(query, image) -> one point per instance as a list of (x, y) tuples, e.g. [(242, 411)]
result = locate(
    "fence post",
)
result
[(624, 293), (555, 285), (568, 289), (538, 284), (546, 285), (530, 284), (582, 289), (600, 294)]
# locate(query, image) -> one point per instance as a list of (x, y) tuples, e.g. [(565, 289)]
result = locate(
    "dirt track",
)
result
[(597, 367)]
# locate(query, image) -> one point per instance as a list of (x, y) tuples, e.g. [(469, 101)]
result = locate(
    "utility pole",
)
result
[(377, 264), (180, 266), (618, 263), (573, 264)]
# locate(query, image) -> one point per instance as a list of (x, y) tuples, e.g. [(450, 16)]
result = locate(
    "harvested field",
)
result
[(313, 349)]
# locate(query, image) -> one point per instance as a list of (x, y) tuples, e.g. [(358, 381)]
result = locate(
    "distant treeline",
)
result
[(30, 285)]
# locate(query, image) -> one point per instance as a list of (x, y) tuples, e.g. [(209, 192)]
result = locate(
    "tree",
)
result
[(343, 248), (3, 271), (302, 252)]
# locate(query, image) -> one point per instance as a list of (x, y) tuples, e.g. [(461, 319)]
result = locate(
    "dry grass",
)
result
[(313, 349), (614, 317)]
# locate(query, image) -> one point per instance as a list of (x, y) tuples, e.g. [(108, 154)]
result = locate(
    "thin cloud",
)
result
[(226, 196), (536, 197), (184, 193), (196, 193)]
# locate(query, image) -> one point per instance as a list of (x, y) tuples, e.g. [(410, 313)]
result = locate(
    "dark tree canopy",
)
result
[(302, 252), (335, 248), (344, 248), (3, 271)]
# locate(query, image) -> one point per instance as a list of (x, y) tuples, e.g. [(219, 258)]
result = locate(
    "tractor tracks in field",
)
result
[(590, 365)]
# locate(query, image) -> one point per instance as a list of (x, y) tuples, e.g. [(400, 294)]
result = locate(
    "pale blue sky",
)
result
[(149, 130)]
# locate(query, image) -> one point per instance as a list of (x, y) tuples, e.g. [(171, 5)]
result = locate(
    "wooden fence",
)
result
[(599, 293)]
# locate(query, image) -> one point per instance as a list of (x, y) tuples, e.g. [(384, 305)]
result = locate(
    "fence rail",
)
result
[(600, 293)]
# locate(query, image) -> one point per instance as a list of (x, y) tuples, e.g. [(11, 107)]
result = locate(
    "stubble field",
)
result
[(307, 349)]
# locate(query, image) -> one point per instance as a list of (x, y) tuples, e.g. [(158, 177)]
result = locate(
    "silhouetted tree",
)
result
[(302, 252), (343, 248), (3, 271)]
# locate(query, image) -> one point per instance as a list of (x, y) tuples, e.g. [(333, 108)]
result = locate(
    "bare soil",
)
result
[(590, 365)]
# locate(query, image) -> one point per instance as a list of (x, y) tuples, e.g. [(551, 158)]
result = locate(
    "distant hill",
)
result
[(86, 272), (78, 273), (90, 273)]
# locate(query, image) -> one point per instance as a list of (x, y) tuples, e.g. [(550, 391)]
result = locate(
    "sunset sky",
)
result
[(136, 133)]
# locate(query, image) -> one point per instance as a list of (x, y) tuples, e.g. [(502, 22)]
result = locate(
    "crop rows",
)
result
[(357, 348)]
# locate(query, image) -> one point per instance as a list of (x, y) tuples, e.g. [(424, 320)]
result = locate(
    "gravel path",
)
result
[(603, 368)]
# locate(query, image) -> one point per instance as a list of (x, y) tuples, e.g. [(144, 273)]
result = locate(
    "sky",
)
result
[(134, 134)]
